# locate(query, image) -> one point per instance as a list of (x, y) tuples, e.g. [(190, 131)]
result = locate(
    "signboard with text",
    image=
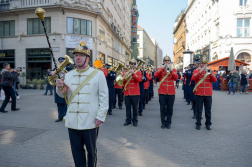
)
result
[(134, 25), (74, 41)]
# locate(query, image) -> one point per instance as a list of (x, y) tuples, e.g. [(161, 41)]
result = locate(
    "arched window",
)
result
[(245, 57)]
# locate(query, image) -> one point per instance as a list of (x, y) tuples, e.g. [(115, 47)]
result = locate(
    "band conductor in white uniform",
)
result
[(87, 94)]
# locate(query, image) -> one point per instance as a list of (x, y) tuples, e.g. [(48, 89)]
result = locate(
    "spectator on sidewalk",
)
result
[(177, 82), (232, 81), (244, 82), (250, 74), (48, 85), (238, 82), (8, 90)]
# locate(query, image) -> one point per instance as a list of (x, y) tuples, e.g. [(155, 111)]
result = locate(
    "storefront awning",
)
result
[(224, 62)]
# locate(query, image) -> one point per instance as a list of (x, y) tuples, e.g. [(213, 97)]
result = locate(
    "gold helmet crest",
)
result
[(166, 58), (82, 48)]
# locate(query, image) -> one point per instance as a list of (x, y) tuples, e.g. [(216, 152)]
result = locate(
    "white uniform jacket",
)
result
[(90, 103)]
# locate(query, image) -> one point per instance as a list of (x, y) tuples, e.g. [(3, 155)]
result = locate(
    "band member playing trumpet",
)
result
[(87, 93), (132, 92), (166, 91), (203, 91)]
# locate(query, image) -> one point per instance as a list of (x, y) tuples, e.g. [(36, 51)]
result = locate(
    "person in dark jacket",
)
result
[(142, 95), (48, 85), (13, 71), (177, 82), (8, 90), (111, 87), (244, 82)]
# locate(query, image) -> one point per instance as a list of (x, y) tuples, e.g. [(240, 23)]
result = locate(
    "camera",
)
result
[(19, 69)]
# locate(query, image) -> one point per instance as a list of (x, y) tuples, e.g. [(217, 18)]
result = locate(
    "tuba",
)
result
[(52, 79)]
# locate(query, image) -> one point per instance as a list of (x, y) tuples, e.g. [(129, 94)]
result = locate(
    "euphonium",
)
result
[(52, 79)]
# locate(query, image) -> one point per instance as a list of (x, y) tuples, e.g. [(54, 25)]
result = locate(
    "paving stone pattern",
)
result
[(228, 144)]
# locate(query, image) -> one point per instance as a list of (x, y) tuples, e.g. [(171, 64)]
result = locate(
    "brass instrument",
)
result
[(209, 71), (60, 69), (110, 69), (119, 75), (128, 74)]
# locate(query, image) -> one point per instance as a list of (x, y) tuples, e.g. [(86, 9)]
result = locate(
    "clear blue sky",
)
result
[(157, 17)]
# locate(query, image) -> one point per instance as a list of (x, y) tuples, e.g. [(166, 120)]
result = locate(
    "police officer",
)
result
[(132, 92), (166, 91), (61, 102), (203, 91), (110, 82), (142, 96)]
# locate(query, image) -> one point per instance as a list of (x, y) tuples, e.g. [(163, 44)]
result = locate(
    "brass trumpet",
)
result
[(52, 79)]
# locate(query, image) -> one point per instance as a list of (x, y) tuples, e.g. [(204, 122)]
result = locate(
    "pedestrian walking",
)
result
[(177, 82), (7, 80), (13, 71)]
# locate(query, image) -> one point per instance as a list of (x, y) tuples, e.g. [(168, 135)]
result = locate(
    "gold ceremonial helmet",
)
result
[(204, 59), (166, 58), (82, 48), (133, 60)]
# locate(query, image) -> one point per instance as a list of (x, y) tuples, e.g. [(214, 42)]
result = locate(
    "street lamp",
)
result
[(187, 58)]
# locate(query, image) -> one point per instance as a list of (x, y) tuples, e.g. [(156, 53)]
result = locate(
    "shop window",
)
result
[(79, 26), (34, 26), (7, 56), (243, 27), (7, 28)]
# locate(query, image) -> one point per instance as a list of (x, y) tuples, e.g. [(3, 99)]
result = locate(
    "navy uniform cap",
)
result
[(107, 65), (197, 60), (191, 65), (61, 59)]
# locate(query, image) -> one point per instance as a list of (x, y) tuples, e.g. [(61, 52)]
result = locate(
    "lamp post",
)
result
[(187, 58)]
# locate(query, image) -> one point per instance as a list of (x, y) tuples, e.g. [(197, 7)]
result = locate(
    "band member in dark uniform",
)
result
[(132, 92), (61, 102), (151, 84), (119, 93), (146, 86), (142, 96), (110, 82), (187, 85), (166, 91), (177, 82), (203, 91)]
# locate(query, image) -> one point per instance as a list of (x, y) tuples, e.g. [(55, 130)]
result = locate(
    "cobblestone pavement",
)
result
[(30, 137)]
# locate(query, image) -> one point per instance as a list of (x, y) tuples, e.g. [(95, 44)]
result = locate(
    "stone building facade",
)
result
[(104, 25)]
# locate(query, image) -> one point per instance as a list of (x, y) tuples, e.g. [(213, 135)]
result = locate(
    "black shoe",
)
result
[(140, 114), (126, 123), (163, 126), (208, 127), (50, 94), (194, 117), (188, 103), (45, 94), (191, 108), (58, 120), (198, 127), (168, 126), (110, 113), (120, 107), (135, 124), (3, 111), (16, 109)]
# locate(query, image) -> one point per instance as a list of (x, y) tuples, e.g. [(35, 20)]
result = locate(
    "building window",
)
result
[(119, 49), (7, 28), (79, 26), (109, 41), (102, 33), (115, 45), (245, 57), (243, 2), (123, 52), (137, 44), (34, 26), (4, 5), (137, 36), (243, 27)]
